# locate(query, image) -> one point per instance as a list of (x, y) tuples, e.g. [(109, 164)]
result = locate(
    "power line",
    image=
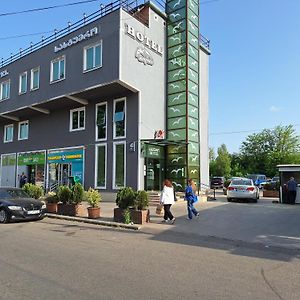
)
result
[(247, 131), (45, 8), (23, 35)]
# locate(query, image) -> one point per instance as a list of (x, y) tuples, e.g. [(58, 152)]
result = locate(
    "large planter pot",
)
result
[(271, 193), (140, 216), (51, 208), (93, 212), (71, 210), (118, 215)]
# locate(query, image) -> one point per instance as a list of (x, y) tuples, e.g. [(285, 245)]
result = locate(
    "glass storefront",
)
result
[(8, 169)]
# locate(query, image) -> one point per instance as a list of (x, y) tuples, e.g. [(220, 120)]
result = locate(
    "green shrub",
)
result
[(34, 191), (125, 198), (51, 197), (77, 193), (126, 214), (141, 201), (93, 197), (64, 194)]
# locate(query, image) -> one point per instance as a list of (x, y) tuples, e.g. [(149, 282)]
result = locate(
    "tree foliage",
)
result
[(220, 166), (262, 152)]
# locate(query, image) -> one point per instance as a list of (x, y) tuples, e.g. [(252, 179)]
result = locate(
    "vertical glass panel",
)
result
[(62, 69), (36, 79), (55, 71), (119, 119), (81, 119), (101, 121), (119, 166), (89, 58), (75, 120), (101, 166), (98, 55), (23, 83), (24, 131)]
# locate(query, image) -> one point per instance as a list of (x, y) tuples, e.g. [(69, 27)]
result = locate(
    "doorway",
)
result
[(155, 174), (60, 174)]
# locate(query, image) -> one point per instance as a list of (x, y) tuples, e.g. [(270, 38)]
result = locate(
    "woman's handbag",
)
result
[(159, 209)]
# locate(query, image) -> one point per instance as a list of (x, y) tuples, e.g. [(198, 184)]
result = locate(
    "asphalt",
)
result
[(264, 223)]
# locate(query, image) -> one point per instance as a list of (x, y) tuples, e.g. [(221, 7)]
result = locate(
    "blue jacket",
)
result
[(189, 194)]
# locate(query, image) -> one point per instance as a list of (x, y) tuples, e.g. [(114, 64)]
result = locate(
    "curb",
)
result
[(95, 222)]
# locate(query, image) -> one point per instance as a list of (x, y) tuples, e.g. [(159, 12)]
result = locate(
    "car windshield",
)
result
[(13, 194), (241, 182)]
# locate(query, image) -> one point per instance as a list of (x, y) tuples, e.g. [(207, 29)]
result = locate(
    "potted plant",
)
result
[(93, 197), (140, 214), (51, 200), (34, 191), (125, 199), (64, 194)]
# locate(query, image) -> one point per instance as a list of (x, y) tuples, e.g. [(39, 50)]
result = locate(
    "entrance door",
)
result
[(154, 174), (59, 174)]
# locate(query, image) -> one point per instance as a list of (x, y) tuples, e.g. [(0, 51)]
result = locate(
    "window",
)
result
[(101, 120), (35, 79), (92, 57), (8, 133), (23, 83), (77, 119), (58, 69), (119, 118), (100, 166), (119, 165), (23, 130), (5, 90)]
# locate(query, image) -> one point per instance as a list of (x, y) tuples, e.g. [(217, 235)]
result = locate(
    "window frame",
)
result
[(96, 125), (115, 144), (96, 166), (19, 131), (20, 83), (1, 89), (94, 45), (5, 135), (58, 59), (31, 78), (125, 113), (71, 119)]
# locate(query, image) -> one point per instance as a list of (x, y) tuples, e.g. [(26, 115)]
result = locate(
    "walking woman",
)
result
[(191, 198), (167, 199)]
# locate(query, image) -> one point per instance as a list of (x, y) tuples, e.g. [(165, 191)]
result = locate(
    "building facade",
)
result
[(92, 104)]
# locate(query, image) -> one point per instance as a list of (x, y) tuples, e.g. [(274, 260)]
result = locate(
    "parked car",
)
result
[(217, 182), (258, 179), (16, 204), (242, 188)]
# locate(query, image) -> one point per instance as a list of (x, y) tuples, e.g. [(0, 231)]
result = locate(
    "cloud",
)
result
[(274, 108)]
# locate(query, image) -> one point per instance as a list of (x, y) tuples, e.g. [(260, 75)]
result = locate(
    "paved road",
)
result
[(54, 259)]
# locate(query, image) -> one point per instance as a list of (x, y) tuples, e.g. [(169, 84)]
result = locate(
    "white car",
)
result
[(242, 188)]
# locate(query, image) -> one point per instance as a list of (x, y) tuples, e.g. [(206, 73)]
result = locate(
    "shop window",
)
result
[(77, 119), (5, 90), (23, 83), (35, 79), (58, 69), (8, 133), (101, 166), (119, 165), (101, 121), (92, 57), (23, 130), (119, 118)]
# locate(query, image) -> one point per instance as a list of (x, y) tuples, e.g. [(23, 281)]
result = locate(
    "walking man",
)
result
[(292, 190)]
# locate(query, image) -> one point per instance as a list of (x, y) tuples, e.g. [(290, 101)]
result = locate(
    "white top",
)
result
[(167, 195)]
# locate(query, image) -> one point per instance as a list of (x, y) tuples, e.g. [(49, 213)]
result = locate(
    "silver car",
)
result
[(242, 188)]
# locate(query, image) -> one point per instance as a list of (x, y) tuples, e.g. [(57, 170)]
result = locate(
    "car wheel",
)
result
[(4, 216)]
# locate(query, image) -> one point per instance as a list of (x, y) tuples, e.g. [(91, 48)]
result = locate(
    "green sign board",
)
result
[(65, 156), (153, 151), (31, 158)]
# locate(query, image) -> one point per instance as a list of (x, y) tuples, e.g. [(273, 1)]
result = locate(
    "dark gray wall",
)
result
[(52, 131), (76, 80)]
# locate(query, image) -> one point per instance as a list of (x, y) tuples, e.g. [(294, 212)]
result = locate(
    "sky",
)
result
[(254, 80)]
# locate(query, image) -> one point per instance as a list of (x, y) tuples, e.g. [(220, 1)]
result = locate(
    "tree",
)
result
[(221, 165), (262, 152)]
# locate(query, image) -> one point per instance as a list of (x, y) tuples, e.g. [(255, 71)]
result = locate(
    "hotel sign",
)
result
[(76, 39), (3, 73), (143, 39)]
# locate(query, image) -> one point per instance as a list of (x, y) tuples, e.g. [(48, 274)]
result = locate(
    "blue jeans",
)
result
[(191, 209)]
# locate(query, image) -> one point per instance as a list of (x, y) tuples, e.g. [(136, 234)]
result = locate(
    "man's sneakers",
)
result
[(164, 221), (173, 220), (198, 214)]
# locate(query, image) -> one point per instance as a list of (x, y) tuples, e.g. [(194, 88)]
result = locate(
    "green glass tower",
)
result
[(183, 160)]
